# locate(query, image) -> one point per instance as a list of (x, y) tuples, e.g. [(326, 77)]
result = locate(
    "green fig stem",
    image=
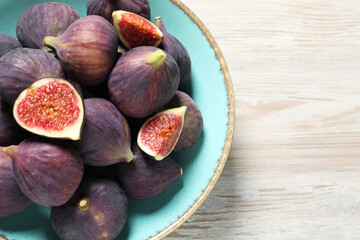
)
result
[(11, 150), (158, 19), (156, 58), (83, 204), (49, 45)]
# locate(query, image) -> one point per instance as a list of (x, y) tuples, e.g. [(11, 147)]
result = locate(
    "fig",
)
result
[(106, 136), (48, 171), (10, 132), (177, 50), (97, 211), (135, 30), (50, 107), (41, 20), (7, 43), (87, 50), (193, 120), (12, 200), (143, 80), (160, 133), (105, 8), (144, 177), (21, 67)]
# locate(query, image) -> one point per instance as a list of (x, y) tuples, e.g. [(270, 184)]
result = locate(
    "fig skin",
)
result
[(21, 67), (12, 200), (177, 50), (47, 171), (97, 211), (105, 8), (44, 19), (139, 86), (10, 132), (144, 178), (87, 50), (193, 120), (106, 137), (7, 43)]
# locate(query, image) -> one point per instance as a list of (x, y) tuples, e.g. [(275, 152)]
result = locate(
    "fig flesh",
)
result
[(43, 19), (50, 107), (177, 50), (193, 120), (105, 8), (160, 133), (134, 30), (145, 178), (106, 136), (12, 200), (10, 132), (7, 43), (97, 211), (143, 80), (21, 67), (87, 50), (47, 171)]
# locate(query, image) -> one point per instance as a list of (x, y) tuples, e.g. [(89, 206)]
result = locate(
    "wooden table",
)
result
[(294, 167)]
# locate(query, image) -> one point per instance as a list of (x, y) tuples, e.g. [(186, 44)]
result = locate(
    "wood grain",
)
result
[(294, 167)]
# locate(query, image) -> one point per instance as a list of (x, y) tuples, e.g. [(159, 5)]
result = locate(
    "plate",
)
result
[(211, 88)]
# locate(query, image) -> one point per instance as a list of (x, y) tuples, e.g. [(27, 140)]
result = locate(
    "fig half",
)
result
[(12, 200), (7, 43), (97, 211), (160, 133), (106, 136), (135, 30), (47, 171), (50, 107)]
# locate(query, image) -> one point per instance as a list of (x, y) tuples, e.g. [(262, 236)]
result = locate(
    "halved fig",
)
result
[(50, 107), (160, 133), (135, 30)]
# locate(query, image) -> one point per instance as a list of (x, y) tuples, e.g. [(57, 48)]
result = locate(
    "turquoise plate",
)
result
[(211, 88)]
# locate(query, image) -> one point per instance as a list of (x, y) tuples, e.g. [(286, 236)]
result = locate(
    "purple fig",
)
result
[(47, 171), (41, 20), (97, 211), (12, 200), (143, 80), (193, 120), (10, 132), (7, 43), (105, 8), (145, 178), (177, 50), (21, 67), (87, 50), (106, 136)]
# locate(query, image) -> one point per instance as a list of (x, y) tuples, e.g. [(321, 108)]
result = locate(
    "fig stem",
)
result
[(11, 150), (156, 58), (84, 204), (49, 45)]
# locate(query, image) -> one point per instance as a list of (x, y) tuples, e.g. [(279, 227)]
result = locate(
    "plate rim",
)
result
[(230, 124)]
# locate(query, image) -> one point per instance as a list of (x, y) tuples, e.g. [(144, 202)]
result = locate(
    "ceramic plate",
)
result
[(211, 88)]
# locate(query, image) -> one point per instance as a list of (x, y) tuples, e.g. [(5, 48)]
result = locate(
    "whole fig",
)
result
[(106, 136), (105, 8), (7, 43), (87, 50), (177, 50), (47, 171), (43, 19), (145, 178), (21, 67), (97, 211), (143, 80), (12, 200), (193, 120), (10, 132)]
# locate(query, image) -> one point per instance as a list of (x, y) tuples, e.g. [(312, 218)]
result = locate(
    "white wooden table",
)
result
[(294, 167)]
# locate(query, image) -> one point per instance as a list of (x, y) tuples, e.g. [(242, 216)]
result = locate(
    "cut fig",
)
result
[(135, 30), (50, 107), (159, 134)]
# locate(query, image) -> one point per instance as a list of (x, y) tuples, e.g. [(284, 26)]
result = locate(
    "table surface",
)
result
[(293, 171)]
